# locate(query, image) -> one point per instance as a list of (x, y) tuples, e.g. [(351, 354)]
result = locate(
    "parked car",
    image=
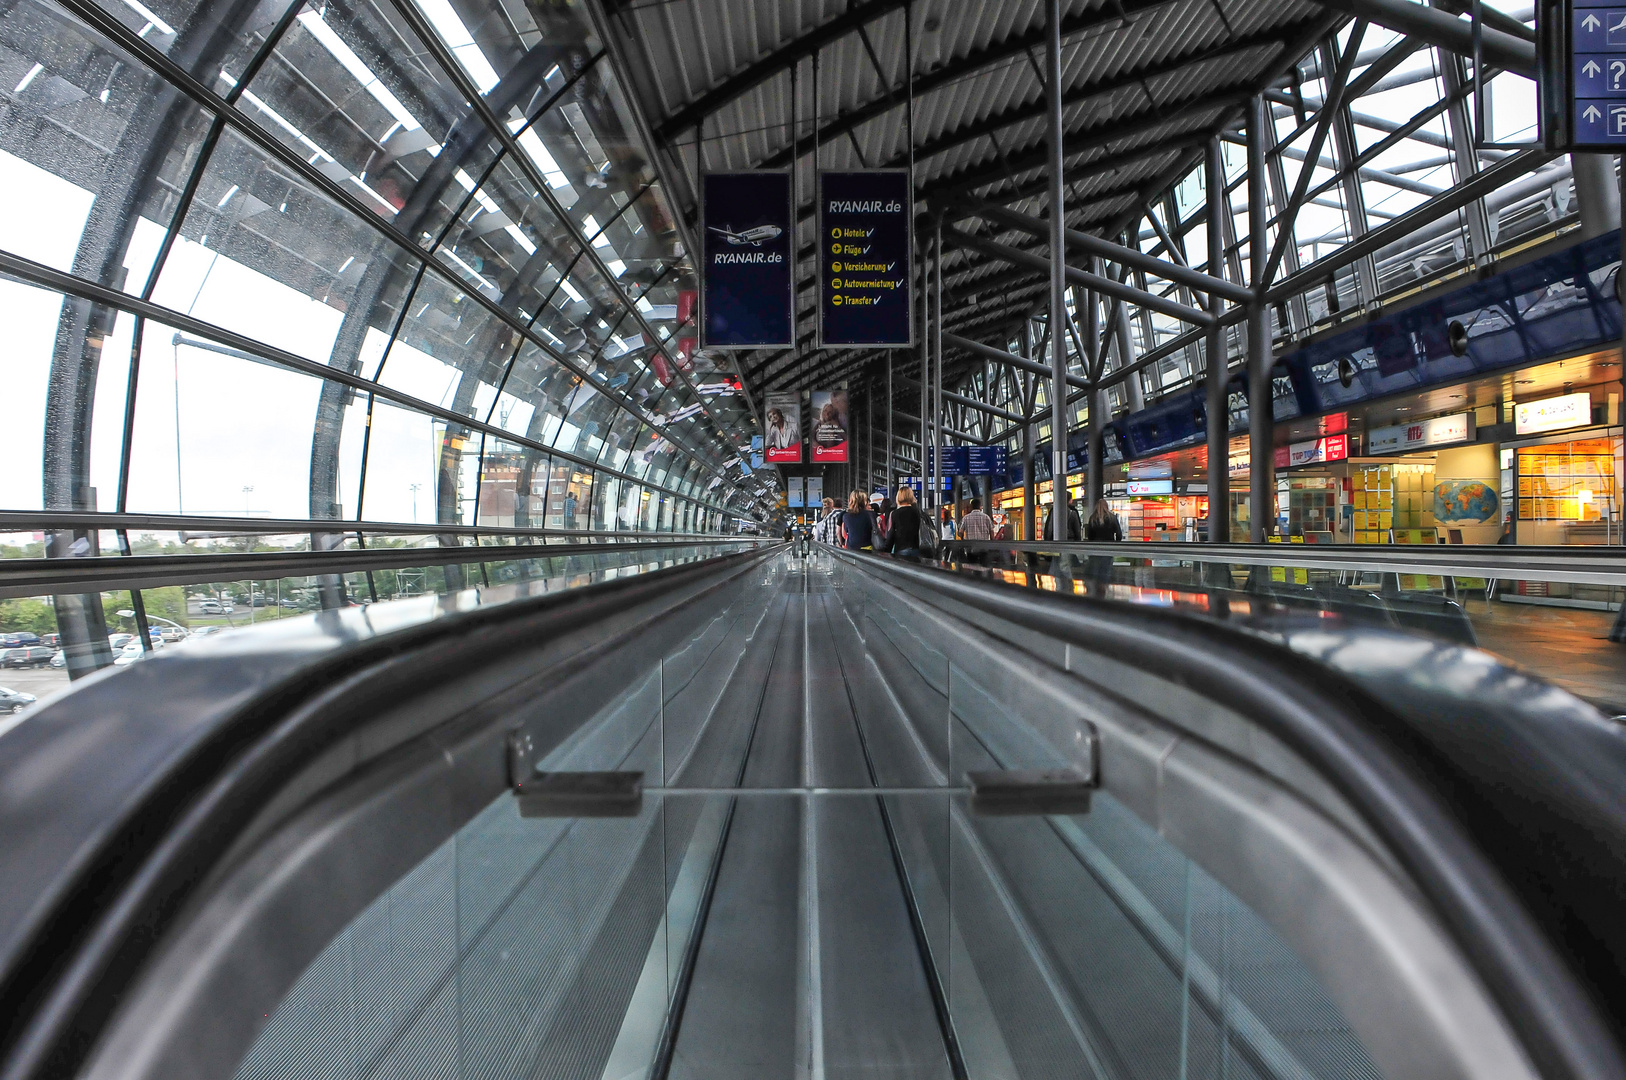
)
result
[(128, 655), (60, 660), (12, 700), (211, 607), (206, 631), (288, 603), (119, 641), (51, 641), (32, 656), (18, 640), (171, 633)]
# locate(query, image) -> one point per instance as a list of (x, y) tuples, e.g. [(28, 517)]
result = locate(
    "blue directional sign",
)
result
[(988, 460), (1597, 73), (956, 460)]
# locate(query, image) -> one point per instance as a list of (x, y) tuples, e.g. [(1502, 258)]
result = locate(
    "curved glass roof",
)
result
[(397, 261)]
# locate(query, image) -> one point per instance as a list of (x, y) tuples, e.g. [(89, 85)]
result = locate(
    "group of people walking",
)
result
[(900, 527)]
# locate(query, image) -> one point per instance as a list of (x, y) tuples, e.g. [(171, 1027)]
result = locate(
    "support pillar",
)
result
[(1217, 400), (1596, 196), (1058, 279), (1261, 451)]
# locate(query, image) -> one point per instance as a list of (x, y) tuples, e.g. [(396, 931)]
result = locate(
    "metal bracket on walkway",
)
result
[(581, 795), (1030, 792), (569, 794)]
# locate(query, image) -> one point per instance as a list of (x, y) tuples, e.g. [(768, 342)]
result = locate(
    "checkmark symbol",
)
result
[(866, 250), (889, 266)]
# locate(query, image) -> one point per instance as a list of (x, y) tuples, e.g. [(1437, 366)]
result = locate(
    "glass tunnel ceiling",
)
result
[(1145, 85), (349, 260)]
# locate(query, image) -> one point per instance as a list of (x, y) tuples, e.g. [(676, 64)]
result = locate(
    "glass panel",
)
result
[(335, 92), (264, 255), (31, 317), (87, 125), (207, 444), (401, 464)]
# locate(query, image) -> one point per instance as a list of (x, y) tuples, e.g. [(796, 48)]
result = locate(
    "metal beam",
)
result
[(1117, 253), (1399, 228), (1312, 157), (1075, 276), (1124, 127), (796, 50), (957, 71), (1032, 110), (1444, 31), (1000, 356)]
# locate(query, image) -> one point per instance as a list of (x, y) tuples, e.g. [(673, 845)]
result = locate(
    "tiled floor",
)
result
[(1568, 646)]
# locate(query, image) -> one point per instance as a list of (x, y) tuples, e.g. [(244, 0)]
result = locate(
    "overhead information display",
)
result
[(1598, 73), (865, 251), (746, 264)]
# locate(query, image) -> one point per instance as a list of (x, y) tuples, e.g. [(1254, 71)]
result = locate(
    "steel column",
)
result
[(1058, 275), (1261, 482), (1597, 197), (1217, 400), (937, 367)]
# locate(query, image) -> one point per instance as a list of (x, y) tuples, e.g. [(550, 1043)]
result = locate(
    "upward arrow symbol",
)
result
[(1591, 22), (1592, 113), (1592, 68)]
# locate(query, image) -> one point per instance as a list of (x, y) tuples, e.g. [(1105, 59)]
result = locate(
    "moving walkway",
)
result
[(759, 816)]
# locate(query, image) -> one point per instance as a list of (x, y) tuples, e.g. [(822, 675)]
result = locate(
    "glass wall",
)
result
[(394, 262)]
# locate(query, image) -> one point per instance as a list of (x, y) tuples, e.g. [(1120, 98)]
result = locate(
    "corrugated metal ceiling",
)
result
[(1144, 81)]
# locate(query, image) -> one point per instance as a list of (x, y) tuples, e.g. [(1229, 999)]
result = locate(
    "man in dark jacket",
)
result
[(1075, 527)]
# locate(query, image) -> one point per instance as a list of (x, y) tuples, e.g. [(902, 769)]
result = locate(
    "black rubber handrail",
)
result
[(110, 897), (1383, 762)]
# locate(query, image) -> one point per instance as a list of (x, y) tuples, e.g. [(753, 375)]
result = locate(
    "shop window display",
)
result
[(1568, 492)]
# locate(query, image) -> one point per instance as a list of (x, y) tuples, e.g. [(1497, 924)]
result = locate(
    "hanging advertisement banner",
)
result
[(783, 437), (793, 485), (866, 246), (829, 425), (815, 491), (746, 261)]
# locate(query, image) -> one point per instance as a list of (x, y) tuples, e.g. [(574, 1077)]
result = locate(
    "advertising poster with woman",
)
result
[(830, 425), (783, 437)]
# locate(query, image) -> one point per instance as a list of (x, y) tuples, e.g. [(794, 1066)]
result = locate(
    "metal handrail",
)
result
[(179, 758), (199, 525), (36, 577), (1388, 755), (1603, 565)]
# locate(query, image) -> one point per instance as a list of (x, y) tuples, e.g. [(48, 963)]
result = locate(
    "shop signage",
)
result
[(1440, 431), (988, 460), (1552, 414), (1312, 452), (746, 268), (1138, 488), (865, 248)]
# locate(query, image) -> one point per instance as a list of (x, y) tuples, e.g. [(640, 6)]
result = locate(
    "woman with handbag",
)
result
[(904, 537), (859, 524)]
